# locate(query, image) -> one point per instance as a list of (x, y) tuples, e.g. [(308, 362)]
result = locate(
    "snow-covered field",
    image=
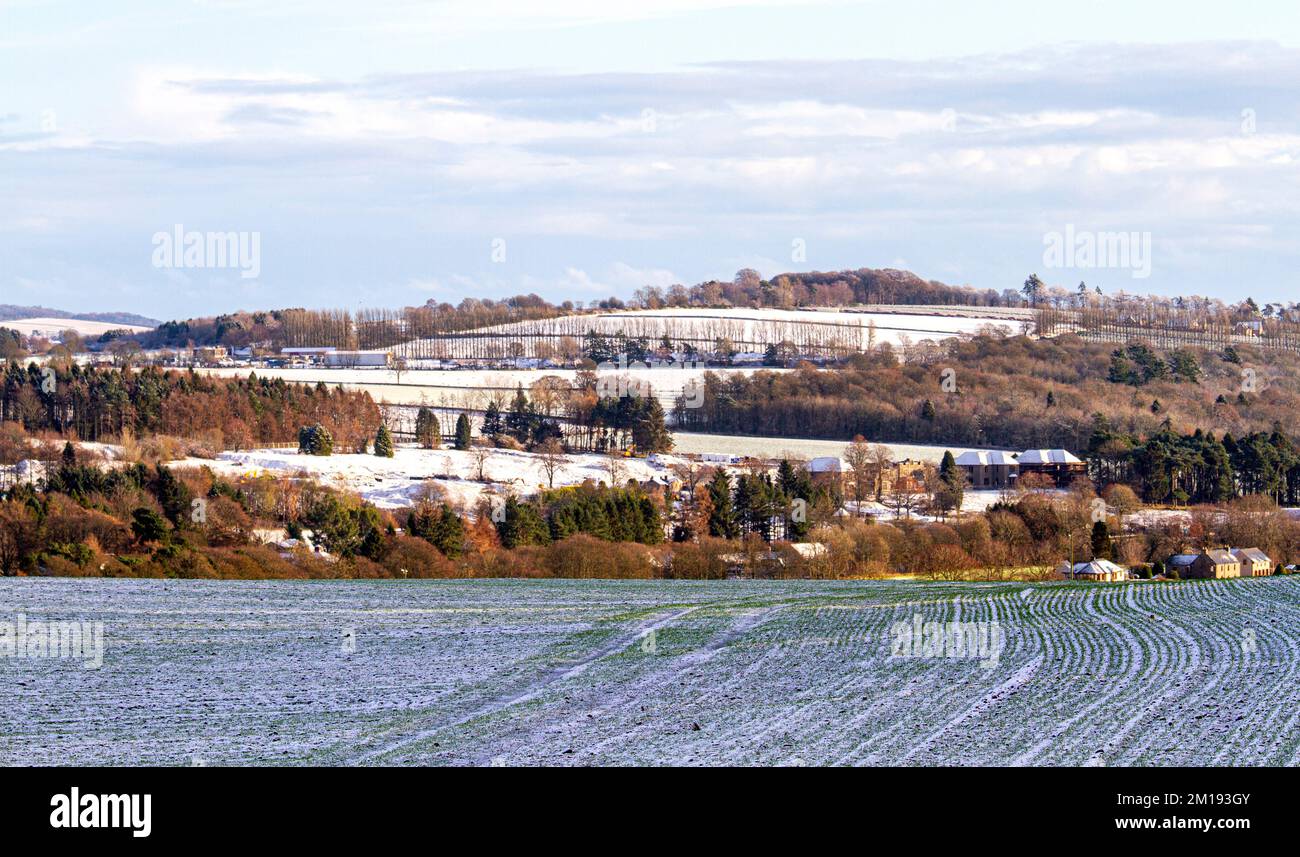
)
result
[(50, 327), (394, 482), (760, 324), (473, 388), (850, 328), (797, 448), (656, 673)]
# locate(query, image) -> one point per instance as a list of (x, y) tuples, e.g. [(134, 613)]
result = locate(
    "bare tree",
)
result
[(882, 458), (905, 496), (481, 454), (691, 472), (550, 394), (857, 455), (616, 469), (551, 454)]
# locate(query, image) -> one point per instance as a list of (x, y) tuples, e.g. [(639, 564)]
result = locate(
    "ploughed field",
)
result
[(653, 672)]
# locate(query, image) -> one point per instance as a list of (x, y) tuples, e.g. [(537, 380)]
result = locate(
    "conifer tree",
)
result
[(952, 483), (492, 425), (521, 525), (427, 431), (521, 416), (384, 442), (1101, 546), (722, 519), (449, 532), (315, 440), (463, 436)]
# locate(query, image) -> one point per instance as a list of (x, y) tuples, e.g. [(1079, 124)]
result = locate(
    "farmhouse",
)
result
[(1214, 565), (1099, 570), (988, 469), (1254, 562)]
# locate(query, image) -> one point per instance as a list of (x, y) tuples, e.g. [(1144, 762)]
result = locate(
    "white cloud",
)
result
[(931, 162)]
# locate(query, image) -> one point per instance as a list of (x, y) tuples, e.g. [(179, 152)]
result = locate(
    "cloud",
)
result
[(401, 180)]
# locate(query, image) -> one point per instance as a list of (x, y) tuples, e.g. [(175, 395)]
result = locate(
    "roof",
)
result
[(1048, 456), (972, 457), (1219, 557), (825, 464), (1253, 554), (1182, 559), (1097, 567)]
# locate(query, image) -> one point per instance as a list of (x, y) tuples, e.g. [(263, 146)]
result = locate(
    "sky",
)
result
[(387, 153)]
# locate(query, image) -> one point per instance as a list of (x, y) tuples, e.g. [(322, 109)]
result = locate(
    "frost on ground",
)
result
[(691, 673)]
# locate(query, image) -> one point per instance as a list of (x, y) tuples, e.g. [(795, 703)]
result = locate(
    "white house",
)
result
[(1097, 571)]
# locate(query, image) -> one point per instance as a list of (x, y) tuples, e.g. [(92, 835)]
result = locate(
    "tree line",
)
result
[(98, 403), (1011, 392), (156, 521)]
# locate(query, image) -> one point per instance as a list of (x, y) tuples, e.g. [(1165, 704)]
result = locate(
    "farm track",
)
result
[(600, 672)]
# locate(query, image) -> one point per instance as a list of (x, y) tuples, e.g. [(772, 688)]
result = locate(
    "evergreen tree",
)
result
[(448, 534), (952, 483), (745, 501), (172, 495), (427, 431), (927, 411), (492, 425), (463, 436), (148, 526), (522, 525), (785, 476), (1101, 546), (652, 525), (384, 442), (521, 416), (315, 440), (649, 431), (722, 519)]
